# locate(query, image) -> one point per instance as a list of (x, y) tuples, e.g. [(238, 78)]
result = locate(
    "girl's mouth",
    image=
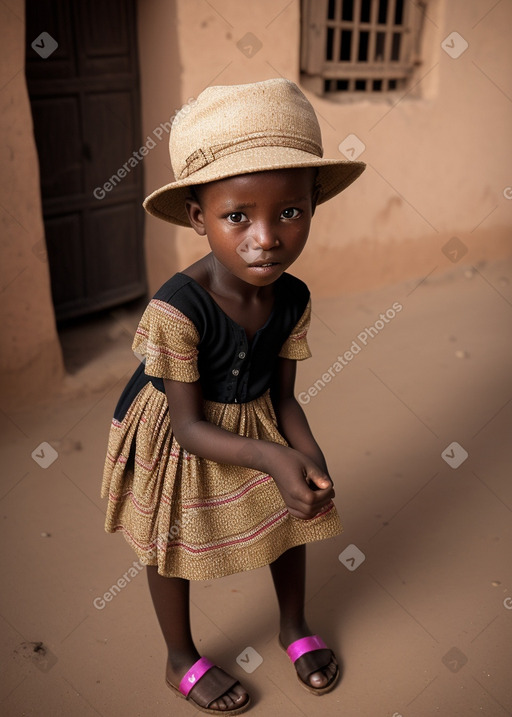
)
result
[(264, 263), (263, 268)]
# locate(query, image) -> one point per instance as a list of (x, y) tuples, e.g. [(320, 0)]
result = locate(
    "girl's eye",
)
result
[(291, 213), (236, 217)]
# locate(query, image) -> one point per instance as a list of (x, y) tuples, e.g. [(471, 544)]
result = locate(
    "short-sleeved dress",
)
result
[(192, 517)]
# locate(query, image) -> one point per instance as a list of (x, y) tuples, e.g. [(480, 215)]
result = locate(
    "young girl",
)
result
[(212, 468)]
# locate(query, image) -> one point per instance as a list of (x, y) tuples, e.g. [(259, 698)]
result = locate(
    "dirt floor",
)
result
[(415, 596)]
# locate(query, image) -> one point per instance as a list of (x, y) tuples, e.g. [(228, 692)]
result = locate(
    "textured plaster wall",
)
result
[(30, 355)]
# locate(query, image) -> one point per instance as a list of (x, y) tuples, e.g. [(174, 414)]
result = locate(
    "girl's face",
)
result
[(256, 219)]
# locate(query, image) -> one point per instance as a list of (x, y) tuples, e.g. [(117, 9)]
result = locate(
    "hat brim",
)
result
[(168, 202)]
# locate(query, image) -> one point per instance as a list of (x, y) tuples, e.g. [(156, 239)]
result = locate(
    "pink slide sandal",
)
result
[(306, 646), (220, 685)]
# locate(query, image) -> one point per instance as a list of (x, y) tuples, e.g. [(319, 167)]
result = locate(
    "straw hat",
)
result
[(240, 129)]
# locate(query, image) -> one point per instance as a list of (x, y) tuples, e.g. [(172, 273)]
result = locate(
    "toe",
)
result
[(318, 680), (332, 669), (219, 705), (231, 700), (239, 695), (322, 677)]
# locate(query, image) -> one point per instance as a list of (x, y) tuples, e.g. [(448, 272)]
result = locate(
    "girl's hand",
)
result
[(305, 488)]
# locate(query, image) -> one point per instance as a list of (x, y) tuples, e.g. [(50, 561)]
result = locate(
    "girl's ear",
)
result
[(195, 215)]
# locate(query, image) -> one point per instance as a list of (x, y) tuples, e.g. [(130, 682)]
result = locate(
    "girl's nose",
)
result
[(266, 236)]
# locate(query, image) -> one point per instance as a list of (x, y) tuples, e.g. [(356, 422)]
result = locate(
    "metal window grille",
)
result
[(359, 46)]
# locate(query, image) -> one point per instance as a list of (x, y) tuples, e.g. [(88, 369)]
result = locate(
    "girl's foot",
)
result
[(316, 669), (210, 691)]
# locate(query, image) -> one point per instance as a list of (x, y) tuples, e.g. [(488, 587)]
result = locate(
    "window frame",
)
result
[(316, 69)]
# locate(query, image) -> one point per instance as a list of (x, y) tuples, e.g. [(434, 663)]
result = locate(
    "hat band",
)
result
[(202, 157)]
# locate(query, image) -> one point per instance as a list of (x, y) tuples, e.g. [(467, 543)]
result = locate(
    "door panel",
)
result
[(113, 233), (64, 240), (86, 112), (57, 133), (109, 121)]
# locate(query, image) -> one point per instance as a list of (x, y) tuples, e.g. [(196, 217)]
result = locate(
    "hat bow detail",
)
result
[(206, 155)]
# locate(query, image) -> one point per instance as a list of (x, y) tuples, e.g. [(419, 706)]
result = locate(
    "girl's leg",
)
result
[(171, 600), (289, 576)]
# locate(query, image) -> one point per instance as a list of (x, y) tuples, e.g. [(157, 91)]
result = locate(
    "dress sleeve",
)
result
[(296, 345), (168, 340)]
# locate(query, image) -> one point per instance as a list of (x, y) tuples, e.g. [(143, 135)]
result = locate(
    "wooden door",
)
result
[(86, 111)]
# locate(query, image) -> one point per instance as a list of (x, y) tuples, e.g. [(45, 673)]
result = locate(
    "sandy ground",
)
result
[(416, 428)]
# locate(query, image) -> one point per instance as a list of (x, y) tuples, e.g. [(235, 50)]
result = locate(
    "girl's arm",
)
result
[(291, 419), (292, 470)]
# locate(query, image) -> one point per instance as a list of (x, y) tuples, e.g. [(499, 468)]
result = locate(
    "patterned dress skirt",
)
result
[(191, 517)]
